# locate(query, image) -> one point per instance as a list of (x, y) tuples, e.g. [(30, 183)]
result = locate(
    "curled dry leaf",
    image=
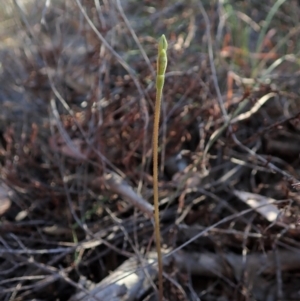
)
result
[(259, 203)]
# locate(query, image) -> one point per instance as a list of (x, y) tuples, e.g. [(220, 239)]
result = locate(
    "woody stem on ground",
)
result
[(160, 79)]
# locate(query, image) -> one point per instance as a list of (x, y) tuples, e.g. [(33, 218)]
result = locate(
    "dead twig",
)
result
[(118, 185)]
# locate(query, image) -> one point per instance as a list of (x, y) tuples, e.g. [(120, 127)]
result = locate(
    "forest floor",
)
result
[(77, 94)]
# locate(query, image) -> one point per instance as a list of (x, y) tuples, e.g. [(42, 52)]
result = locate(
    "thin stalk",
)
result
[(160, 80)]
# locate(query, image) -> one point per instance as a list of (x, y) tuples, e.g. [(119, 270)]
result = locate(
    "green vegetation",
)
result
[(160, 79)]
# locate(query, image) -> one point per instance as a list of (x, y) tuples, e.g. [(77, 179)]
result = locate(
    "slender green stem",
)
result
[(160, 79), (264, 29)]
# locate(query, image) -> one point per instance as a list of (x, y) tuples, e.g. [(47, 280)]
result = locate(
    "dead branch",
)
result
[(127, 282)]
